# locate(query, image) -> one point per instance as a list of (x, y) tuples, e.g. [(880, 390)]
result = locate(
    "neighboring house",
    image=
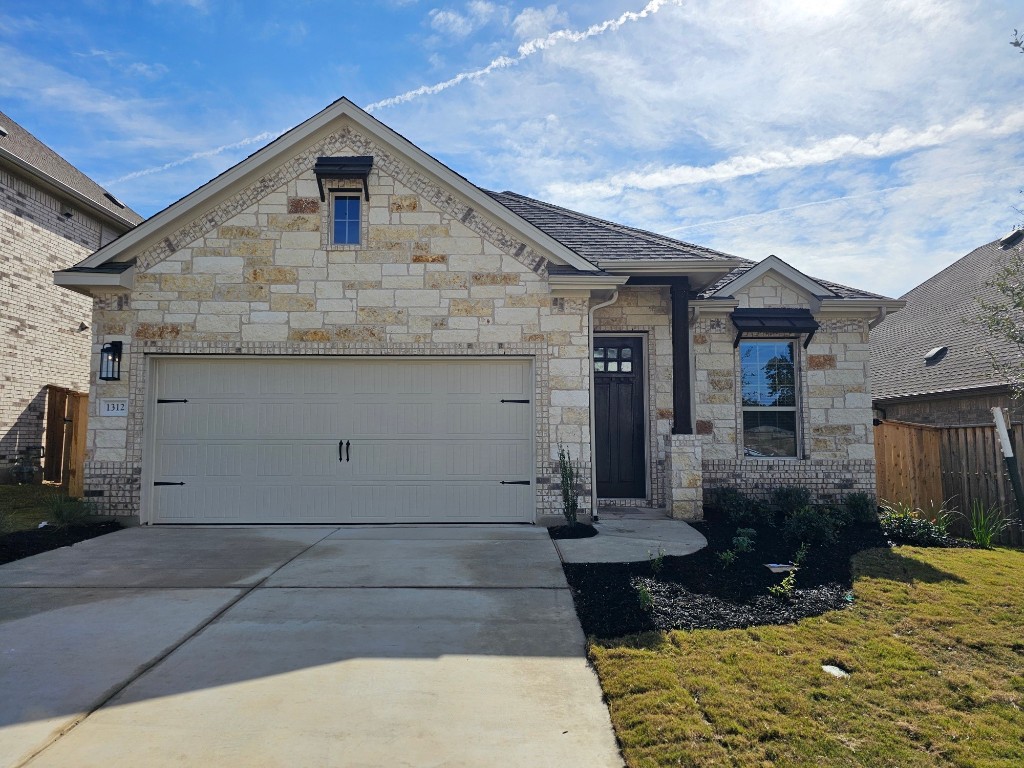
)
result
[(51, 216), (342, 329), (934, 362)]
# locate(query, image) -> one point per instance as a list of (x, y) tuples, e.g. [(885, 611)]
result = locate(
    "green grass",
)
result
[(23, 506), (934, 644)]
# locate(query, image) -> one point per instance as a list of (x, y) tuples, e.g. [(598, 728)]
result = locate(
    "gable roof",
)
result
[(25, 152), (943, 312), (598, 240), (281, 147), (832, 290)]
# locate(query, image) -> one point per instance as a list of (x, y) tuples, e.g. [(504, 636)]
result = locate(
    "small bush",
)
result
[(813, 526), (744, 540), (727, 558), (64, 512), (785, 588), (986, 523), (787, 499), (860, 509), (905, 524), (731, 502), (570, 476), (645, 597)]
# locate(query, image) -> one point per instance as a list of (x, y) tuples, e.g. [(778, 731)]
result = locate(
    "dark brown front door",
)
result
[(619, 417)]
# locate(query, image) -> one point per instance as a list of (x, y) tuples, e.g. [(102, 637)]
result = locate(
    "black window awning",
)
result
[(788, 322), (357, 167)]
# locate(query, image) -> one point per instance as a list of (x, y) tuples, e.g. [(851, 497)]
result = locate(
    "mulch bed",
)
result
[(699, 592), (578, 531), (19, 544)]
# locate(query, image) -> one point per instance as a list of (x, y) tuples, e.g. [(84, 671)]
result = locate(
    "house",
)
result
[(51, 216), (342, 329), (934, 362)]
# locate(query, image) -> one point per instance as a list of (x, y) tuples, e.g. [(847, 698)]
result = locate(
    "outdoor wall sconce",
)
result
[(110, 361)]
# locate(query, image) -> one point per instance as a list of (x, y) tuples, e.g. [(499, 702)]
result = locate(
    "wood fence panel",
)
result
[(924, 465), (79, 414), (53, 437)]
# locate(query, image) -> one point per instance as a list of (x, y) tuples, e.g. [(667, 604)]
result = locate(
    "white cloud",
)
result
[(459, 25), (538, 22)]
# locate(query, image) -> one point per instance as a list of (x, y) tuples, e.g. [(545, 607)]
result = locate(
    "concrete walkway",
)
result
[(359, 646), (628, 540)]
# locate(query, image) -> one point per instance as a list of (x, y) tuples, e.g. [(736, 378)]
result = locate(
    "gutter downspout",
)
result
[(593, 425), (882, 312)]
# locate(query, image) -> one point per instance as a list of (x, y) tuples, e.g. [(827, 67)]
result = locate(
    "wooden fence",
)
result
[(925, 465), (67, 417)]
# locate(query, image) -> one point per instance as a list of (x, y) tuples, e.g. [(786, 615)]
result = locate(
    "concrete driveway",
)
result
[(357, 646)]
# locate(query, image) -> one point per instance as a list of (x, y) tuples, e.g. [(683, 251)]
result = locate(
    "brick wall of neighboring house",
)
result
[(256, 275), (834, 402), (648, 311), (38, 321), (959, 409)]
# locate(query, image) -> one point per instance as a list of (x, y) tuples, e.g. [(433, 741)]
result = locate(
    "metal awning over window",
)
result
[(786, 322), (343, 168)]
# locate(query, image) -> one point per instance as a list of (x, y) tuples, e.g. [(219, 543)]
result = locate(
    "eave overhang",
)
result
[(586, 281), (88, 281), (60, 189)]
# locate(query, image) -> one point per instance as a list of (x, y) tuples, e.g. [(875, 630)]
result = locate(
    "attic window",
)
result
[(343, 168), (113, 199), (784, 322), (935, 355)]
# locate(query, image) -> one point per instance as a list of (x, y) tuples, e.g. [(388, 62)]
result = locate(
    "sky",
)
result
[(867, 142)]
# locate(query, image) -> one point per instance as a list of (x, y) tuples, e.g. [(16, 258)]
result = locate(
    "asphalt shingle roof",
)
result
[(842, 291), (599, 240), (943, 311), (26, 147)]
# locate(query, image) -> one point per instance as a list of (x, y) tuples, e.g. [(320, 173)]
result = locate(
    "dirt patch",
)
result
[(19, 544)]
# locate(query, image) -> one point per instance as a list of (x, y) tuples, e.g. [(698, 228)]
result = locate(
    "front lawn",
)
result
[(933, 643)]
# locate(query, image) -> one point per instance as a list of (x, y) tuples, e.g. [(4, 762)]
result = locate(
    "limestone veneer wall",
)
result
[(38, 321), (834, 401), (257, 275)]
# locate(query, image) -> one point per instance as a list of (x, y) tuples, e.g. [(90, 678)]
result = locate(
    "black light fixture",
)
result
[(110, 361)]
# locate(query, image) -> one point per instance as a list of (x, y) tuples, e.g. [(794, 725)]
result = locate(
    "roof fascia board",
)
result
[(841, 305), (668, 268), (715, 305), (587, 282), (777, 265), (301, 134), (64, 190), (82, 282)]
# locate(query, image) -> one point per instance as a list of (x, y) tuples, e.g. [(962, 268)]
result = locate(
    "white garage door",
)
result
[(342, 440)]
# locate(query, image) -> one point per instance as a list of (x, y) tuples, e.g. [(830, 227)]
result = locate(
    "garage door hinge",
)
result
[(515, 482), (161, 482), (515, 401), (161, 400)]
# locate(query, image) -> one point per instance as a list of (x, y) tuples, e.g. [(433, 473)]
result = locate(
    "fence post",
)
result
[(1010, 461)]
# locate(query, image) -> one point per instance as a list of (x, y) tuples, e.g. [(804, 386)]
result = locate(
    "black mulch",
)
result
[(698, 591), (19, 544), (578, 531)]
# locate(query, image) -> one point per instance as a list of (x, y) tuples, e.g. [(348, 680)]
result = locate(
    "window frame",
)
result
[(345, 194), (795, 409)]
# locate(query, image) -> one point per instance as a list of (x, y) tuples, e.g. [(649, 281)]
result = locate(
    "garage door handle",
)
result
[(348, 455), (341, 447), (515, 401), (515, 482)]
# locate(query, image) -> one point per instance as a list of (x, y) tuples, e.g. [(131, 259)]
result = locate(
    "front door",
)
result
[(619, 417)]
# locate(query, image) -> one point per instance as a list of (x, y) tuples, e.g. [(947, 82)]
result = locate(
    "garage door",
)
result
[(342, 440)]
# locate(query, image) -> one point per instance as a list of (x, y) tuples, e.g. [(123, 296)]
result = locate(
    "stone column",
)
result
[(685, 478)]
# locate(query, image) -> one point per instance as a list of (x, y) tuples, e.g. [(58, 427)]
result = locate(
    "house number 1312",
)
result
[(114, 407)]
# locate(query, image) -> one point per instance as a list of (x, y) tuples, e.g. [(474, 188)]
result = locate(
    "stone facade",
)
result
[(258, 275), (39, 322), (835, 442)]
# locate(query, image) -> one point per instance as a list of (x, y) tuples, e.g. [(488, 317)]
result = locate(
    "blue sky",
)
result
[(867, 142)]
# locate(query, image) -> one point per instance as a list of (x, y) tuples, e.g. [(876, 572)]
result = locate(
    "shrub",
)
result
[(731, 502), (785, 588), (63, 511), (727, 558), (986, 523), (744, 540), (812, 526), (787, 499), (906, 524), (860, 509), (570, 474)]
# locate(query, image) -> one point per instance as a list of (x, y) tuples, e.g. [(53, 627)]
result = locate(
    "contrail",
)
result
[(527, 49), (197, 156)]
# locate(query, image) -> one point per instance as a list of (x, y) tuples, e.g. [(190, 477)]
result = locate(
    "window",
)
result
[(769, 398), (346, 220)]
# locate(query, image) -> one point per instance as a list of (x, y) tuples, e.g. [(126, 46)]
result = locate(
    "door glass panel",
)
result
[(627, 366), (598, 352), (612, 365), (613, 353), (599, 365), (627, 353)]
